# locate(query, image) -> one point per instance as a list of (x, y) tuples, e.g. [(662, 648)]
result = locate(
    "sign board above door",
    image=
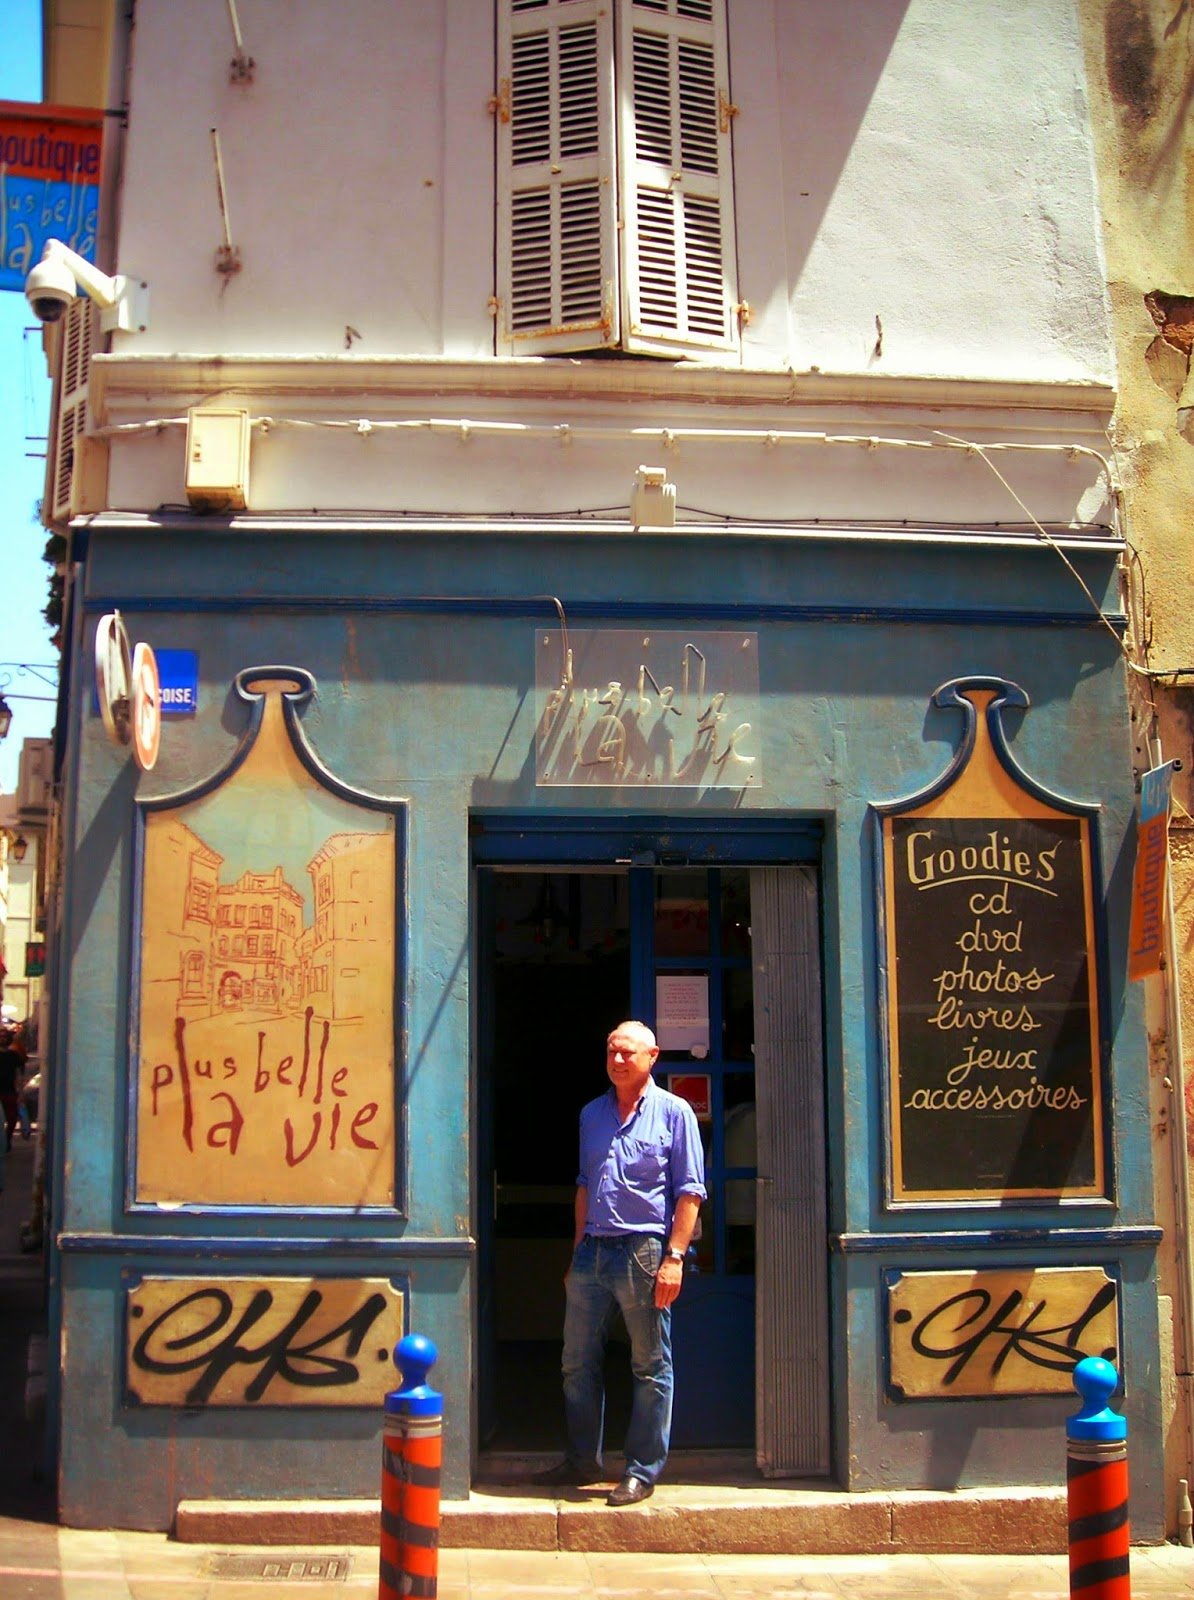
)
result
[(658, 708)]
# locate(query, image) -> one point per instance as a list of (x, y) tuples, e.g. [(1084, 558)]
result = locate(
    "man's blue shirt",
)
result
[(634, 1171)]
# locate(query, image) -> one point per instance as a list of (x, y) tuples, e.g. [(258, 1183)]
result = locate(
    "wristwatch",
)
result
[(672, 1254)]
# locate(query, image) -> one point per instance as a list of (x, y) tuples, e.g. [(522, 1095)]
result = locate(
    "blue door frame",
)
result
[(713, 1323)]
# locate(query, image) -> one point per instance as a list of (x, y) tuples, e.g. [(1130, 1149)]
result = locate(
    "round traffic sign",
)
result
[(147, 707)]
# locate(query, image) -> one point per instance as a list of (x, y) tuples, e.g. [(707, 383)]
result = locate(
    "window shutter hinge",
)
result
[(498, 105), (493, 305), (743, 312), (726, 110), (607, 311)]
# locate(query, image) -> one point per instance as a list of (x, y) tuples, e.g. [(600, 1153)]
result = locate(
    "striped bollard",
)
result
[(1097, 1488), (412, 1450)]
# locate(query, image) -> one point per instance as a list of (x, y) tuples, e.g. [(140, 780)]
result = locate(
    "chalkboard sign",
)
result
[(994, 1081)]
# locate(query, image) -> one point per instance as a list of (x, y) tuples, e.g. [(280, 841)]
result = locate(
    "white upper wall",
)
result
[(925, 163)]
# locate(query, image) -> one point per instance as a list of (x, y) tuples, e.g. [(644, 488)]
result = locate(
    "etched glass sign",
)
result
[(659, 707)]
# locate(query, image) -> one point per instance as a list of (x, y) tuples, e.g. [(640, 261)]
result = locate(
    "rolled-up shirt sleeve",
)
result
[(687, 1167)]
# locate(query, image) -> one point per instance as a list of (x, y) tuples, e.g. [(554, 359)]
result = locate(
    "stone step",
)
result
[(679, 1518)]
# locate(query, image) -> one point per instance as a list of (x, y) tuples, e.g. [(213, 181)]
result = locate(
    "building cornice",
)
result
[(120, 381)]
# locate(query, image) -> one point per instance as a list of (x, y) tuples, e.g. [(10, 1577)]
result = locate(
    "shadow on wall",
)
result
[(857, 36), (1151, 80)]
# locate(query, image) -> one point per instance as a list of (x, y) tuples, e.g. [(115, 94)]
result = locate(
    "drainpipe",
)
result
[(1180, 1170)]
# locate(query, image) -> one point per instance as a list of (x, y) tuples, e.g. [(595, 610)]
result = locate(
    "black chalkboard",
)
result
[(993, 1029)]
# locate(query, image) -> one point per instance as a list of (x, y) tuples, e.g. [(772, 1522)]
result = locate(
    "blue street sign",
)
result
[(178, 672)]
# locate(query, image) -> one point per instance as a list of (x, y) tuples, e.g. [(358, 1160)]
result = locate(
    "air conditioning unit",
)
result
[(35, 780)]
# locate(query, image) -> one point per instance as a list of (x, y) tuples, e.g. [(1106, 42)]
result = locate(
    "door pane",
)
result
[(735, 911), (682, 913), (705, 1238), (741, 1157), (738, 1015)]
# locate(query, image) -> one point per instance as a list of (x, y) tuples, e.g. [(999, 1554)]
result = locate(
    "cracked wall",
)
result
[(1140, 59)]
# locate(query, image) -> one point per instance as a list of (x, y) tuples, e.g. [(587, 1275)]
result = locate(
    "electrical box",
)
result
[(217, 467), (652, 499)]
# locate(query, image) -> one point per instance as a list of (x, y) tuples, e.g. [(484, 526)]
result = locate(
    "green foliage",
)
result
[(54, 555)]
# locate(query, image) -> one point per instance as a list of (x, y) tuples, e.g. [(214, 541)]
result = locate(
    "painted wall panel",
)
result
[(314, 457), (359, 166), (437, 707)]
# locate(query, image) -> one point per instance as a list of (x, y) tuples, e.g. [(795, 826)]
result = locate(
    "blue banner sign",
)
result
[(178, 673), (50, 159)]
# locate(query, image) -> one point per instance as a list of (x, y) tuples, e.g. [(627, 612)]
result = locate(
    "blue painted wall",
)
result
[(421, 644)]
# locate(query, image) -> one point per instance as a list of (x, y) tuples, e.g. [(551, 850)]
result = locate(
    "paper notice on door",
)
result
[(682, 1012)]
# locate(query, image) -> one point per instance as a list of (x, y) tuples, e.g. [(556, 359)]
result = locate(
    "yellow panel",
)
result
[(78, 35), (262, 1341), (266, 992), (957, 1335)]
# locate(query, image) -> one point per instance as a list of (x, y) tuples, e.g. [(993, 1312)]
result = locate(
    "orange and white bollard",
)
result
[(1097, 1488), (412, 1455)]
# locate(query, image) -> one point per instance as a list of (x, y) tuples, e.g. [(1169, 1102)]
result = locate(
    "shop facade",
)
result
[(378, 907), (538, 643)]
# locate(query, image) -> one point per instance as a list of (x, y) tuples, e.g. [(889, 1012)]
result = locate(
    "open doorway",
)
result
[(711, 936), (555, 963)]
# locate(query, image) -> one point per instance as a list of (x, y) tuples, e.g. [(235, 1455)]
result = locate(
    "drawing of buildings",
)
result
[(179, 949), (352, 883), (258, 922)]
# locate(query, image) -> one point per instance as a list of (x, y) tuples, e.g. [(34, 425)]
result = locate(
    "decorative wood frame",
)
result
[(993, 871), (990, 1332), (284, 1055)]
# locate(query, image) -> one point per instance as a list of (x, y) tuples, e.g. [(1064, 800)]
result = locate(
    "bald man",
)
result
[(641, 1183)]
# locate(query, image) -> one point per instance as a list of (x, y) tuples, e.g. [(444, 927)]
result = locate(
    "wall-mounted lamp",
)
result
[(653, 499), (5, 717), (19, 848), (56, 279)]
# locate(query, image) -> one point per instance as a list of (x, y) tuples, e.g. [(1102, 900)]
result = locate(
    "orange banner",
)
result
[(1146, 944)]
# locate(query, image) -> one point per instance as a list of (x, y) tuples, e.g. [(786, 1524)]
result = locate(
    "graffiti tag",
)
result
[(195, 1342)]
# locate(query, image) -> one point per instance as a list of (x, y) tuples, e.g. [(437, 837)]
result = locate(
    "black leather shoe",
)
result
[(630, 1491), (567, 1475)]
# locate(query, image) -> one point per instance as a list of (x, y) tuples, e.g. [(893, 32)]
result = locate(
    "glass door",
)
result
[(702, 1010)]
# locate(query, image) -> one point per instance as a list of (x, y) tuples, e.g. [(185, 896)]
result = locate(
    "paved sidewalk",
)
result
[(40, 1562)]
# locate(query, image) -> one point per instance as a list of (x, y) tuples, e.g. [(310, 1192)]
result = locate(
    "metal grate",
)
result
[(283, 1568)]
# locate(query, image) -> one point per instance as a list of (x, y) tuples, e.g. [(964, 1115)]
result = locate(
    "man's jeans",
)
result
[(608, 1274)]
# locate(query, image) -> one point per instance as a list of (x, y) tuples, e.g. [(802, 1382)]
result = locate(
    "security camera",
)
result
[(61, 273), (50, 288)]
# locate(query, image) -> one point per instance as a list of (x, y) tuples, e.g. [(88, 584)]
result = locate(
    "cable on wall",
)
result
[(670, 438)]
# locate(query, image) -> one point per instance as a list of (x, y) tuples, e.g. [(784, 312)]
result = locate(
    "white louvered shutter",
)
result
[(679, 289), (73, 372), (556, 193)]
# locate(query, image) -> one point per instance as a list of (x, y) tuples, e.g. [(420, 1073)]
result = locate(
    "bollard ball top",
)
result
[(1096, 1380), (414, 1356)]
